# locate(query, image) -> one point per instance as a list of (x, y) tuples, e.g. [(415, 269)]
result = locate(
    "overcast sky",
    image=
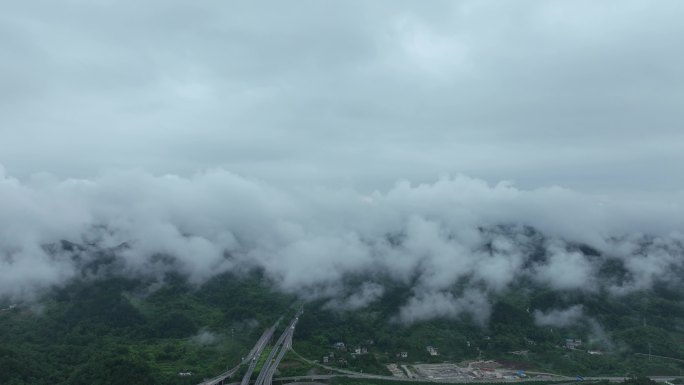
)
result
[(354, 94), (318, 140)]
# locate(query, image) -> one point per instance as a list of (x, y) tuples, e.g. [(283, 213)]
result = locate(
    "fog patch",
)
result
[(559, 317), (205, 337), (428, 305), (367, 292), (598, 335)]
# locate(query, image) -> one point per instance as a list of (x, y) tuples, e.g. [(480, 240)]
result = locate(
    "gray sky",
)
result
[(296, 136), (583, 94)]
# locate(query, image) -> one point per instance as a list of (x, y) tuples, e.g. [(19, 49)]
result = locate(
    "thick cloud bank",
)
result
[(455, 241), (581, 93)]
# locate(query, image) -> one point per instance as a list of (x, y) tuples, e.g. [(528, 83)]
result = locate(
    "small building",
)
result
[(357, 350), (432, 350), (185, 373), (339, 345), (13, 306), (595, 352), (403, 354), (325, 359), (573, 343)]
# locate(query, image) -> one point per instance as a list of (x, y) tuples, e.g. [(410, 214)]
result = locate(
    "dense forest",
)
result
[(117, 330), (126, 331)]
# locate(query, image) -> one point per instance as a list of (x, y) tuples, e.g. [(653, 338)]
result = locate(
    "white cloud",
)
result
[(559, 318), (429, 305), (456, 232), (566, 270), (366, 293)]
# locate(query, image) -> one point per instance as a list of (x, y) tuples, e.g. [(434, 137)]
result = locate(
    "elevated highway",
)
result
[(251, 359), (282, 345)]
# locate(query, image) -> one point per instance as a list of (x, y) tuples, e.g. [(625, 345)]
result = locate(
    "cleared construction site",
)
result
[(466, 371)]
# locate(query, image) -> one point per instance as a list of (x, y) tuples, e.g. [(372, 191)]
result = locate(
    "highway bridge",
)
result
[(282, 345), (251, 359)]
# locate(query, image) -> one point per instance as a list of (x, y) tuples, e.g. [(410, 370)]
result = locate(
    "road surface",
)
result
[(251, 358), (281, 347)]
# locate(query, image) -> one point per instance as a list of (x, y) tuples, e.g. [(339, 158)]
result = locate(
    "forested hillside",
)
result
[(612, 329), (126, 331), (103, 327)]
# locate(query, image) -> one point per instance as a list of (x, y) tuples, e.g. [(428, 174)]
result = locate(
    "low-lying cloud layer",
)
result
[(564, 317), (456, 240)]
